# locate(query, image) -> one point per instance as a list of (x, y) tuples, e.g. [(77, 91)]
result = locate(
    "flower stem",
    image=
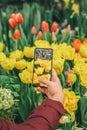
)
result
[(16, 44)]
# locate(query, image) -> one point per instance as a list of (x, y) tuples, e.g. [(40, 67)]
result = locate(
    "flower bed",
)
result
[(16, 69)]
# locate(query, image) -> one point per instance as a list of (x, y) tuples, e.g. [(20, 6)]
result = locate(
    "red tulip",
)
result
[(40, 35), (19, 18), (44, 26), (33, 30), (12, 23), (54, 27), (16, 34)]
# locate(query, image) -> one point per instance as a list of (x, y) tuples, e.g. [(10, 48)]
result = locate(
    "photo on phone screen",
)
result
[(42, 65)]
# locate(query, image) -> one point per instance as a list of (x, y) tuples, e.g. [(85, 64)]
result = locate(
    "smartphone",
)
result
[(42, 67)]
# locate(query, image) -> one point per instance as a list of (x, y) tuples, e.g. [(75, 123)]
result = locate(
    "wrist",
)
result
[(59, 99)]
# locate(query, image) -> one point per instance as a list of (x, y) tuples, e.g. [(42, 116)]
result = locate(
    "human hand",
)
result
[(54, 89)]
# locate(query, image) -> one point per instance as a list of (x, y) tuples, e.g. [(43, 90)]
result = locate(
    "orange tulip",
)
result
[(40, 35), (16, 34), (54, 27), (44, 26), (12, 23), (77, 44)]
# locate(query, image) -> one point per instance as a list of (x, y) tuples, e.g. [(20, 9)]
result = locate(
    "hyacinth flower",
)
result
[(70, 77)]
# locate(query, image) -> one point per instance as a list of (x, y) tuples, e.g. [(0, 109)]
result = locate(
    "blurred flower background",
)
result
[(57, 24)]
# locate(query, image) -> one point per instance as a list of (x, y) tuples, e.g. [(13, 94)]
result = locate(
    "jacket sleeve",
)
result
[(44, 117)]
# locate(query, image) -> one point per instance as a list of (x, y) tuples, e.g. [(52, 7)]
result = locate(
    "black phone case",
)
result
[(42, 67)]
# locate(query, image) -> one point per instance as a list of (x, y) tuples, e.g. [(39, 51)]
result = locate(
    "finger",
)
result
[(45, 81), (55, 78), (39, 89), (43, 90), (54, 75)]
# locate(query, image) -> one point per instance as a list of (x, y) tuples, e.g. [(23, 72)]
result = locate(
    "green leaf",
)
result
[(83, 111), (77, 86), (66, 38), (62, 79), (6, 79), (27, 18), (26, 104), (15, 94), (37, 16)]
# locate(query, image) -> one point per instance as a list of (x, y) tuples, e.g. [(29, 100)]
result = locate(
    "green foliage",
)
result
[(29, 99), (25, 97), (10, 84), (34, 16), (82, 113), (82, 20)]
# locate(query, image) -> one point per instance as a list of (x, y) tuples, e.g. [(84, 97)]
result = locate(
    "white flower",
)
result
[(65, 119), (6, 99)]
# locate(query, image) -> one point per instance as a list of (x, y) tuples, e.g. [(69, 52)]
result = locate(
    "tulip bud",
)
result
[(54, 27), (53, 36), (70, 77), (16, 34), (40, 35), (33, 30), (44, 26)]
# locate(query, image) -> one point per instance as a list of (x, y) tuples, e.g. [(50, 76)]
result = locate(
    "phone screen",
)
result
[(42, 65)]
